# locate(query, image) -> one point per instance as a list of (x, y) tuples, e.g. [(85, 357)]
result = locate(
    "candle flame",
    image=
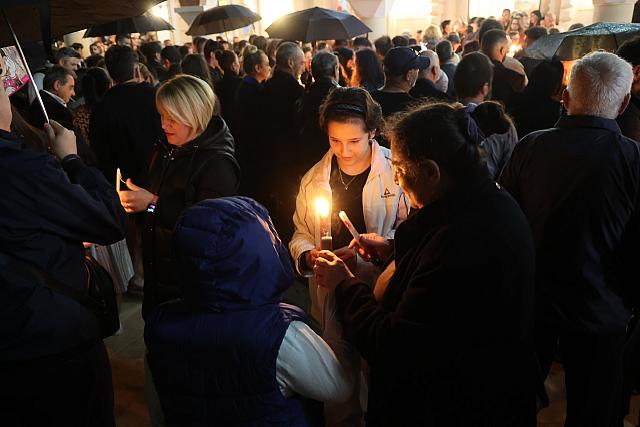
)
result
[(322, 207)]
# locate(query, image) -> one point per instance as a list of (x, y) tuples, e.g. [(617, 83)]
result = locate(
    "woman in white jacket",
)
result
[(356, 177)]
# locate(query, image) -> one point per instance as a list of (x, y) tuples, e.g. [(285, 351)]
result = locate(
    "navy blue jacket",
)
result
[(47, 211), (213, 354), (579, 186)]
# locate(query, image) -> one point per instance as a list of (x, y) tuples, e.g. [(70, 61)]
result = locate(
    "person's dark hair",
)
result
[(77, 46), (546, 79), (538, 14), (150, 49), (210, 48), (488, 25), (400, 41), (171, 54), (444, 49), (227, 58), (453, 37), (630, 51), (120, 61), (184, 50), (383, 45), (95, 83), (470, 47), (361, 42), (575, 26), (439, 132), (491, 118), (286, 51), (66, 52), (368, 68), (554, 31), (473, 71), (195, 65), (33, 138), (261, 43), (324, 65), (491, 39), (93, 60), (250, 60), (340, 42), (444, 24), (199, 42), (412, 42), (57, 73), (344, 104), (534, 33), (122, 39)]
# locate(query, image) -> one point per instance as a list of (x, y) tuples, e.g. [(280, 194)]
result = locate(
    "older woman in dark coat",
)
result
[(450, 342)]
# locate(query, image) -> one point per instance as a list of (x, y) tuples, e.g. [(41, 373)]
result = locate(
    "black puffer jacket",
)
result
[(202, 169)]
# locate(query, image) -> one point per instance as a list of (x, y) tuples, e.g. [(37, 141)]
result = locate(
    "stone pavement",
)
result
[(127, 350)]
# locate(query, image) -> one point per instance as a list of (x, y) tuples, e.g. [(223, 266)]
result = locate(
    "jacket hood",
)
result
[(229, 255)]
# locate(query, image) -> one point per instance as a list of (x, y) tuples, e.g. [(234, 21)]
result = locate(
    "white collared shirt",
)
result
[(56, 97)]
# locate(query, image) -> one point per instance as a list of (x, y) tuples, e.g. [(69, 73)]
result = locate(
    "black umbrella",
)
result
[(317, 23), (221, 19), (138, 24), (572, 45), (32, 18)]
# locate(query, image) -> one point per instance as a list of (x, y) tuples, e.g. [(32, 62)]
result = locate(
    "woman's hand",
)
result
[(61, 140), (311, 256), (330, 270), (348, 255), (135, 200), (372, 246)]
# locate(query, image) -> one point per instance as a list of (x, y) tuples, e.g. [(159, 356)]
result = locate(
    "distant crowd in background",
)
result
[(481, 180)]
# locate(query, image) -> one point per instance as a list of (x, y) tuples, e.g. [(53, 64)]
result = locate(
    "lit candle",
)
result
[(323, 214)]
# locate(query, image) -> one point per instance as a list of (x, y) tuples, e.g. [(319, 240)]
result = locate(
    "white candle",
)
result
[(323, 214)]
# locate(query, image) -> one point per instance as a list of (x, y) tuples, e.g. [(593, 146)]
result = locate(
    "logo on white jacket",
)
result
[(387, 194)]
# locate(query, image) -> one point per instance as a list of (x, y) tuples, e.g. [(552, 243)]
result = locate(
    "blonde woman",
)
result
[(195, 161), (432, 35)]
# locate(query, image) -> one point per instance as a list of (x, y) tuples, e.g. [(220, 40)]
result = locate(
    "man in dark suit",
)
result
[(579, 186), (506, 83), (58, 88)]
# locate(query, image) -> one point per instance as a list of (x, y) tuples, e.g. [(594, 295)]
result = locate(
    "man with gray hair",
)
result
[(425, 86), (281, 177), (313, 140), (579, 186)]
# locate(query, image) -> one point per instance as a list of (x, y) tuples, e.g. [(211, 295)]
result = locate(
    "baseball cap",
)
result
[(399, 60)]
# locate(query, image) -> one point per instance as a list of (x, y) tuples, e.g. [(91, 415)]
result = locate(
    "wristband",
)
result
[(151, 207)]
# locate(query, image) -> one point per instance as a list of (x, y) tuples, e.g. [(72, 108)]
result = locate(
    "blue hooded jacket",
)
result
[(213, 353)]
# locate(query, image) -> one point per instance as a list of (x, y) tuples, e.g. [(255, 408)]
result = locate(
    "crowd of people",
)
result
[(496, 204)]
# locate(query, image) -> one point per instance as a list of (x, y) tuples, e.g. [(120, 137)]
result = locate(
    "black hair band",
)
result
[(347, 108)]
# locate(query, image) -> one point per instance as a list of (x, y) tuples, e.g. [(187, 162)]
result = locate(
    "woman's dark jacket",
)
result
[(204, 168), (48, 209), (450, 344)]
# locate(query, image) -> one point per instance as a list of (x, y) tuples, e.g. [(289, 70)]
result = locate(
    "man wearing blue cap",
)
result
[(401, 67)]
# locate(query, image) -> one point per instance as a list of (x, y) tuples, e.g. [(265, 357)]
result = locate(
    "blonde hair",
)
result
[(188, 100), (432, 32)]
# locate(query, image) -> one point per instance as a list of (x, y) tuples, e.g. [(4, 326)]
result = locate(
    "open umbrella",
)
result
[(32, 18), (137, 24), (221, 19), (572, 45), (317, 23)]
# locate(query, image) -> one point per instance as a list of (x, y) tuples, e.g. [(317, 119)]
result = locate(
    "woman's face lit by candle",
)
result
[(349, 142)]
